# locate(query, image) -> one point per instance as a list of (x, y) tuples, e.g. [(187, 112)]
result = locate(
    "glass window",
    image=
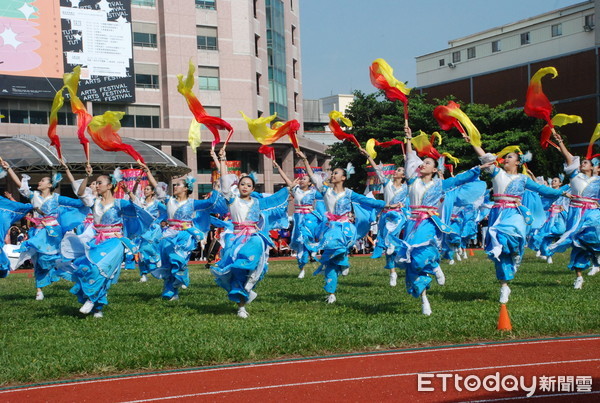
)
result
[(208, 78), (471, 53), (144, 3), (456, 57), (206, 38), (206, 4), (38, 117), (144, 40), (496, 46), (525, 39), (589, 22), (556, 30), (146, 81), (442, 62)]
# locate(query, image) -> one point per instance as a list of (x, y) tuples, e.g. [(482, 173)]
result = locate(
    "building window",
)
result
[(33, 112), (213, 111), (206, 4), (442, 62), (295, 102), (456, 57), (208, 78), (146, 75), (496, 46), (293, 35), (292, 5), (258, 76), (294, 67), (556, 30), (144, 35), (589, 22), (525, 38), (206, 38), (471, 53), (256, 40), (135, 115), (144, 3)]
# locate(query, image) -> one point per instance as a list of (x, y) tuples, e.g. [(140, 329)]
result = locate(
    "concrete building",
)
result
[(316, 116), (495, 66), (247, 54)]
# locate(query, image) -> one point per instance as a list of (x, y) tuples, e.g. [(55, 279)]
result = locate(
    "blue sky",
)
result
[(340, 38)]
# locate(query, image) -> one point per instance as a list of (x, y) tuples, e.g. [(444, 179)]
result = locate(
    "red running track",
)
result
[(373, 377)]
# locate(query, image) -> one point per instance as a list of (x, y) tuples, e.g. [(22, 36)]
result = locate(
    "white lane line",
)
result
[(303, 361), (288, 385)]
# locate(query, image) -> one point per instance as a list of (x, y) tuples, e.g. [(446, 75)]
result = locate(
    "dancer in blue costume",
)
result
[(53, 216), (509, 219), (245, 253), (418, 251), (10, 212), (555, 224), (583, 218), (307, 216), (393, 218), (149, 242), (96, 263), (341, 231), (189, 222)]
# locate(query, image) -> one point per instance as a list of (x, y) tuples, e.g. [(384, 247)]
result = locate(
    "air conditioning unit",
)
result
[(588, 28), (451, 65)]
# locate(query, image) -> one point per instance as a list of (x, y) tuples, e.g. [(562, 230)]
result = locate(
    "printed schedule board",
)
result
[(40, 40)]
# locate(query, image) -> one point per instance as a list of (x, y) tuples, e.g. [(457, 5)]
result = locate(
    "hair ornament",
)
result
[(527, 157), (116, 176), (350, 170), (189, 181), (56, 178)]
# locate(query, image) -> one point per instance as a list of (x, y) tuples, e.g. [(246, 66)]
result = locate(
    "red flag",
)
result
[(390, 143), (268, 151), (103, 130), (537, 104), (212, 123)]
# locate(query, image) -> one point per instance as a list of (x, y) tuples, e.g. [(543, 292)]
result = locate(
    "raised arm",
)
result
[(563, 149), (11, 173), (285, 178), (88, 172), (408, 138), (151, 177)]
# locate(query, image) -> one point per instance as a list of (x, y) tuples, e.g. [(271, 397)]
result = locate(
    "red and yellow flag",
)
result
[(595, 137), (537, 104), (382, 77), (103, 130), (450, 115), (57, 103), (423, 144), (560, 119), (71, 81), (336, 129), (212, 123), (266, 135)]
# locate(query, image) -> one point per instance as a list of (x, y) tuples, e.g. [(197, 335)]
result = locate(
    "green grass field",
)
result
[(49, 339)]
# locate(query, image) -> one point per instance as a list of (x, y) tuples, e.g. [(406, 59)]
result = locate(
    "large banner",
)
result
[(40, 40)]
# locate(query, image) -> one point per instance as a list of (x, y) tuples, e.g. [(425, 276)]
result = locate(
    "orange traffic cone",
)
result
[(504, 319), (471, 252)]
